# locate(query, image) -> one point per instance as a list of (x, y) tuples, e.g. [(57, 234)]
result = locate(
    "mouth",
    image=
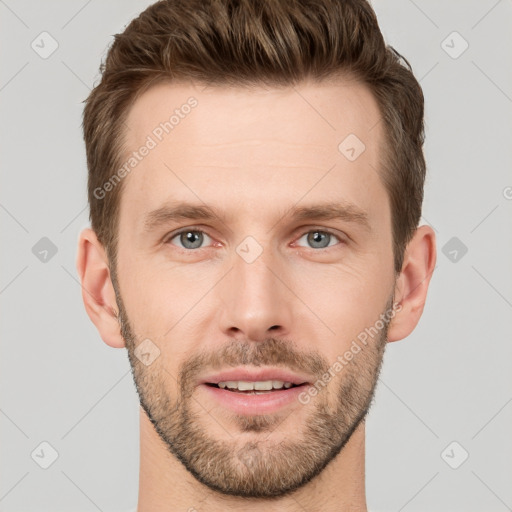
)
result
[(246, 379), (255, 388), (255, 391)]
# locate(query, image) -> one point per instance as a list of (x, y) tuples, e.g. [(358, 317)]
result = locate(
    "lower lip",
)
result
[(244, 403)]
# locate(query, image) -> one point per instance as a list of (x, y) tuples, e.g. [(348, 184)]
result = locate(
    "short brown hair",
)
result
[(252, 42)]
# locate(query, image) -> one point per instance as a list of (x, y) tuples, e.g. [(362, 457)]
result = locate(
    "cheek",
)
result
[(148, 297), (170, 303), (346, 300)]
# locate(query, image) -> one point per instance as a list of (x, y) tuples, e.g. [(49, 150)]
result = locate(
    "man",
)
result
[(255, 184)]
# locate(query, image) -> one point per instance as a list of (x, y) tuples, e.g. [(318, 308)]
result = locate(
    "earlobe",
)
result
[(412, 284), (97, 290)]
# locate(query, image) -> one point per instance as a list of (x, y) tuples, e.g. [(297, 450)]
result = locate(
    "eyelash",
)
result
[(197, 230)]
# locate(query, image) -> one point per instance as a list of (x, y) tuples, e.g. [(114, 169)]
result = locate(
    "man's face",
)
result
[(256, 287)]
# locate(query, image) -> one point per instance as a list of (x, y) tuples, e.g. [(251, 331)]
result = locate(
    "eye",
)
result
[(320, 239), (189, 238)]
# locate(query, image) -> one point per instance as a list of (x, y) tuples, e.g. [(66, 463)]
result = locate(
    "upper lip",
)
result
[(262, 374)]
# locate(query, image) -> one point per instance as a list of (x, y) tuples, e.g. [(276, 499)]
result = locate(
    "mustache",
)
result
[(269, 352)]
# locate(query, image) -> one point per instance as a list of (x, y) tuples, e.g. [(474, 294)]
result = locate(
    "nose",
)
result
[(256, 301)]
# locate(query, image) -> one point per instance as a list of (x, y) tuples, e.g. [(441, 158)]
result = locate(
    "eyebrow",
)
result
[(186, 211)]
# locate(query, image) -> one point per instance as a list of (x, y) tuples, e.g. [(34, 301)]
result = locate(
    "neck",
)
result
[(165, 484)]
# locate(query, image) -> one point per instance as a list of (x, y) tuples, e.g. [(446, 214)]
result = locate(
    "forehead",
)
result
[(233, 147), (209, 116)]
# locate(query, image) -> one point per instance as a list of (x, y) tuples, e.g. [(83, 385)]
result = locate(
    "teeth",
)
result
[(265, 385)]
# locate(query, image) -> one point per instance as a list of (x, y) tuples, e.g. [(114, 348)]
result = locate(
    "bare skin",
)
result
[(253, 155)]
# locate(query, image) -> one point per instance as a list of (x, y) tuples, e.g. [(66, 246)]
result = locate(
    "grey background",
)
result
[(449, 381)]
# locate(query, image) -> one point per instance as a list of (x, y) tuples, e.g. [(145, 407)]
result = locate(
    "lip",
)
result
[(254, 375), (250, 404)]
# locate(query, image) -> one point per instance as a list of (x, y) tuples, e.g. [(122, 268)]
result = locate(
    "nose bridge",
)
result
[(252, 266), (255, 300)]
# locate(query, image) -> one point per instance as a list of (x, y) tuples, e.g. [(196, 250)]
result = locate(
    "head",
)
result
[(286, 137)]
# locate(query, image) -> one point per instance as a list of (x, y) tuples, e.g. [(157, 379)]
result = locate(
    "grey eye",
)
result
[(319, 239), (190, 239)]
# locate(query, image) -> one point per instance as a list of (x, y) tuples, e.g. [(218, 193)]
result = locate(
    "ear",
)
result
[(97, 290), (412, 284)]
